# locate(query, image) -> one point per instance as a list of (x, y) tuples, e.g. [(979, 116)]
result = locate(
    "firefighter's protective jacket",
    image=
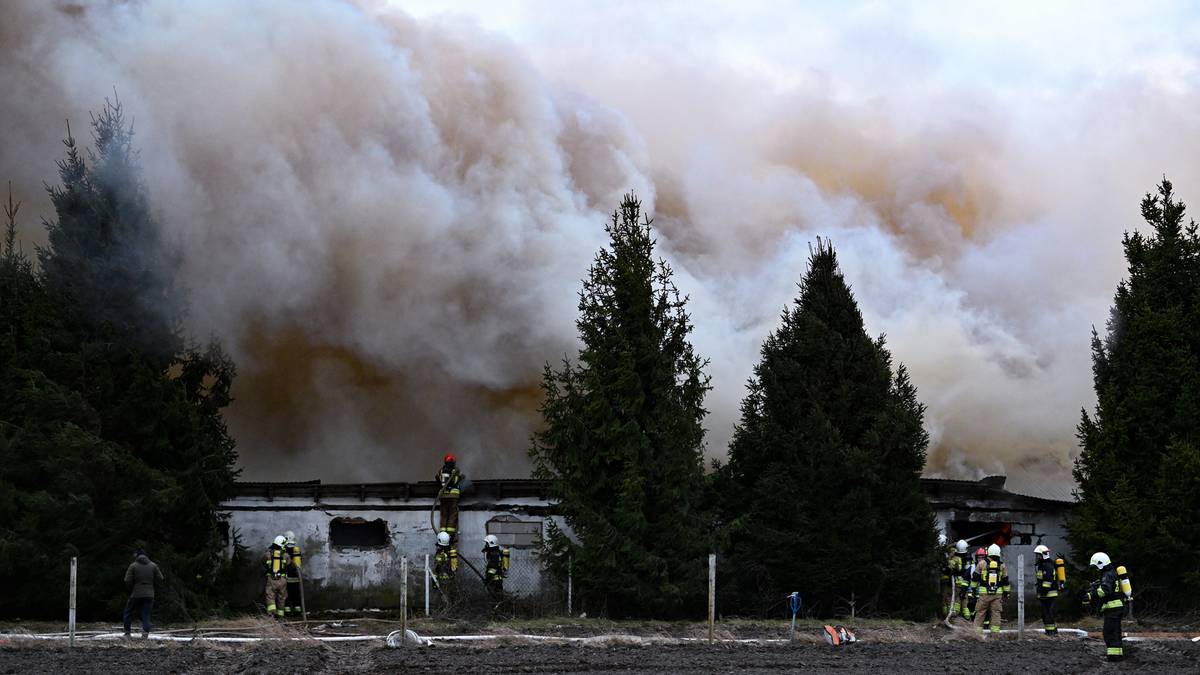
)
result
[(445, 563), (960, 569), (275, 562), (990, 577), (497, 562), (1046, 574), (1108, 593), (450, 478), (291, 552)]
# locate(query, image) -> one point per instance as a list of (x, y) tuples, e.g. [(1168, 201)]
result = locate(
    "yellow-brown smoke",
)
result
[(386, 220)]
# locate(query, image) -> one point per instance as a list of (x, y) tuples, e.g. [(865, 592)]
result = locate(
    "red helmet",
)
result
[(981, 553), (449, 458)]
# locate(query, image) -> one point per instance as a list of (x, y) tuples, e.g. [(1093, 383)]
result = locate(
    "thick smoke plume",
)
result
[(386, 219)]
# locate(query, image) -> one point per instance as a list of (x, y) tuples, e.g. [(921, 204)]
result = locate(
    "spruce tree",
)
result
[(111, 433), (623, 438), (822, 491), (1139, 469)]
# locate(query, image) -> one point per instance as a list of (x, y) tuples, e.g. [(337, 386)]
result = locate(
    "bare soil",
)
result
[(1061, 655)]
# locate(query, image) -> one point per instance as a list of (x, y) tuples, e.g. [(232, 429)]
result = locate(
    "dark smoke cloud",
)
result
[(386, 219)]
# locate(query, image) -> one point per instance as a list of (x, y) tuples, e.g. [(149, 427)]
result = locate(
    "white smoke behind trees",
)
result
[(386, 219)]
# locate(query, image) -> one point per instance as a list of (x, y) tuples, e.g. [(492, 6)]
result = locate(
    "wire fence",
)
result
[(527, 589)]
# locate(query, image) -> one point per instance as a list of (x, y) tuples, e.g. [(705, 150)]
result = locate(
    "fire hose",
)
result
[(433, 509)]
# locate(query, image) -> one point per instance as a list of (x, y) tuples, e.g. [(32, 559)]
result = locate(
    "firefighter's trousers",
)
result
[(276, 595), (1048, 621), (987, 610), (449, 513), (1112, 634)]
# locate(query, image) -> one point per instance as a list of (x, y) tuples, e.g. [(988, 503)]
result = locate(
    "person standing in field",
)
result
[(139, 579)]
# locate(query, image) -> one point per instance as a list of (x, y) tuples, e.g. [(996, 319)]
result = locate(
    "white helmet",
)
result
[(960, 546), (280, 541), (1100, 560), (443, 538), (1042, 550), (491, 541), (289, 535), (994, 549)]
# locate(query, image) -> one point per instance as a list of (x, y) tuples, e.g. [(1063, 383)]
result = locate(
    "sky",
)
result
[(386, 208)]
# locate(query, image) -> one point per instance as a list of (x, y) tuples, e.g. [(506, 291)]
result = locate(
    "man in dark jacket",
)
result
[(139, 579)]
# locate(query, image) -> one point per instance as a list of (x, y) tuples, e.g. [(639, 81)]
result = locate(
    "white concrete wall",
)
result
[(367, 568)]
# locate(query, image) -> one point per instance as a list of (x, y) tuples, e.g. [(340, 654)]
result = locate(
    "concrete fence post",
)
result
[(712, 595), (1020, 596), (570, 564), (71, 609), (404, 600), (426, 584)]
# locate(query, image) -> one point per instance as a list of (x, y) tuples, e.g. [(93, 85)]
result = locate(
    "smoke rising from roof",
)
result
[(386, 219)]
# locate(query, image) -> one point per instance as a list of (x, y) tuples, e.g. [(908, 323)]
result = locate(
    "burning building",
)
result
[(354, 534)]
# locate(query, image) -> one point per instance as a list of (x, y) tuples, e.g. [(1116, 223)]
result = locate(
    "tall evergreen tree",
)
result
[(110, 426), (623, 438), (1139, 469), (821, 492)]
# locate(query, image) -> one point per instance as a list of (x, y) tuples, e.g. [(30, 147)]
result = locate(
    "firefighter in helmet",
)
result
[(953, 583), (292, 560), (449, 480), (496, 566), (445, 563), (991, 590), (979, 560), (275, 567), (1051, 576), (961, 565), (1109, 595)]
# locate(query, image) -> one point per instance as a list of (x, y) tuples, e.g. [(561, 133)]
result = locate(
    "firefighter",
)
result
[(445, 563), (973, 586), (274, 565), (991, 579), (952, 577), (291, 551), (1109, 595), (450, 480), (497, 565), (962, 577), (1051, 576)]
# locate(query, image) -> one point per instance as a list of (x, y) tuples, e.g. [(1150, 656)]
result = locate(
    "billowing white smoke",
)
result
[(386, 220)]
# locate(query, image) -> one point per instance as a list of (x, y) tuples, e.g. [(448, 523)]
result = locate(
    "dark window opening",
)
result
[(514, 533), (358, 533)]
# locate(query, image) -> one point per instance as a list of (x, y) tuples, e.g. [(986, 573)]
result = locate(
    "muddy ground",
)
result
[(1063, 655)]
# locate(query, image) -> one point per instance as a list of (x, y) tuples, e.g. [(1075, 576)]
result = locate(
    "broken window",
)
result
[(358, 533), (514, 533)]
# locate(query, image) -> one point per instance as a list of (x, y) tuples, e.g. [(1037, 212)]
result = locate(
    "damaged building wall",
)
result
[(354, 536), (984, 512)]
